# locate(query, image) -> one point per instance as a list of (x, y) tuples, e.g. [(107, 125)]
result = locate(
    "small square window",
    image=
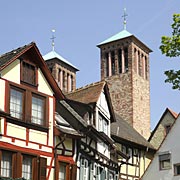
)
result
[(165, 161), (176, 169)]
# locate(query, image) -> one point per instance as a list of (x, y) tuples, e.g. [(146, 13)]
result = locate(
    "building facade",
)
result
[(97, 155), (27, 108), (166, 162)]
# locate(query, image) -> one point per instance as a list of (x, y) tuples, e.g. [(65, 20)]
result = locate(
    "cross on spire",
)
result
[(124, 18), (52, 38)]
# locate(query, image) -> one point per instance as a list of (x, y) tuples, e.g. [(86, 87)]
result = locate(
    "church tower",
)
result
[(125, 66), (62, 70)]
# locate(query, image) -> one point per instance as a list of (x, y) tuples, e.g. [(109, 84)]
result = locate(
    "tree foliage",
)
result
[(170, 46)]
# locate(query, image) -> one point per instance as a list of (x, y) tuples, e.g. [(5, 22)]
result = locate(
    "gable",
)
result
[(103, 104), (26, 66), (159, 132), (12, 72), (168, 145)]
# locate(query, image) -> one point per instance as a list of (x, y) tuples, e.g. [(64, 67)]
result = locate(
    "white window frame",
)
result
[(103, 124)]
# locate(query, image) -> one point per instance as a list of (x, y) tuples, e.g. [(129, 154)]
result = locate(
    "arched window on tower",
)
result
[(120, 60), (64, 80), (106, 64), (146, 67), (135, 60), (139, 63), (68, 82), (113, 62), (126, 59), (59, 78), (72, 82)]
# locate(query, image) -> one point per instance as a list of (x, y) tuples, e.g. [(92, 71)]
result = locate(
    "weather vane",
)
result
[(52, 38), (124, 17)]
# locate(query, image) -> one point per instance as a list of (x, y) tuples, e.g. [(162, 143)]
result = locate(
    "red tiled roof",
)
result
[(88, 94)]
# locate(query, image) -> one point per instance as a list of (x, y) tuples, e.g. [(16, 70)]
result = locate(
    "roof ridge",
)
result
[(14, 50), (87, 86), (173, 113)]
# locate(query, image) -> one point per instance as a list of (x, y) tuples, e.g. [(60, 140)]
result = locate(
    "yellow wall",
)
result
[(12, 72)]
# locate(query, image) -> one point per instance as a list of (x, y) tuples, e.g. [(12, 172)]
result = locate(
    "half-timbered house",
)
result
[(138, 150), (27, 111), (97, 157)]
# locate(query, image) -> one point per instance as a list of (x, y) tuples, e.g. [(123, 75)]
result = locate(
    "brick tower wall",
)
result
[(141, 94), (130, 91)]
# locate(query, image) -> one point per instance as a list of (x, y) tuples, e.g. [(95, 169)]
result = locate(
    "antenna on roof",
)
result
[(52, 38), (124, 17)]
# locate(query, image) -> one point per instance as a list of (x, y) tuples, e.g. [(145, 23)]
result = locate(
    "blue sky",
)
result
[(80, 25)]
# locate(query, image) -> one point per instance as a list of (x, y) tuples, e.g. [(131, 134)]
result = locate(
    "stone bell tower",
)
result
[(125, 66)]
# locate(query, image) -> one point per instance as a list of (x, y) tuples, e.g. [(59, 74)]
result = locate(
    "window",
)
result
[(27, 168), (146, 68), (84, 169), (120, 60), (62, 171), (167, 128), (29, 108), (177, 169), (126, 59), (6, 164), (139, 63), (14, 165), (113, 62), (103, 124), (37, 110), (28, 73), (16, 103), (165, 161), (107, 64)]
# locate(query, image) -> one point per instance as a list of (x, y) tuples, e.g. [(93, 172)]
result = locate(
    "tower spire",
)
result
[(124, 18), (52, 38)]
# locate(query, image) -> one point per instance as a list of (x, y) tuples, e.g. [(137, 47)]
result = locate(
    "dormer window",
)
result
[(28, 73)]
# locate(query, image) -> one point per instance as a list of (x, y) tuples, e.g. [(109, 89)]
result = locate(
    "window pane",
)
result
[(62, 171), (27, 168), (6, 164), (165, 161), (16, 101), (37, 110), (103, 124)]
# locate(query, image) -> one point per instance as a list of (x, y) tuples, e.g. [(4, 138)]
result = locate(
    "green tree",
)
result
[(170, 46)]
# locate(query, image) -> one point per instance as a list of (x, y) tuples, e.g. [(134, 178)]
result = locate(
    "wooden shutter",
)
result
[(35, 168), (17, 165), (42, 168), (73, 171), (56, 168)]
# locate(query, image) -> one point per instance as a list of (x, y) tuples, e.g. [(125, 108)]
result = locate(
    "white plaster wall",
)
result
[(102, 148), (37, 136), (2, 94), (43, 85), (172, 145), (102, 104), (16, 131)]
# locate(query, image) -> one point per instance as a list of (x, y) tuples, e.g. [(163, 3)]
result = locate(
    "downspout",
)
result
[(55, 154)]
